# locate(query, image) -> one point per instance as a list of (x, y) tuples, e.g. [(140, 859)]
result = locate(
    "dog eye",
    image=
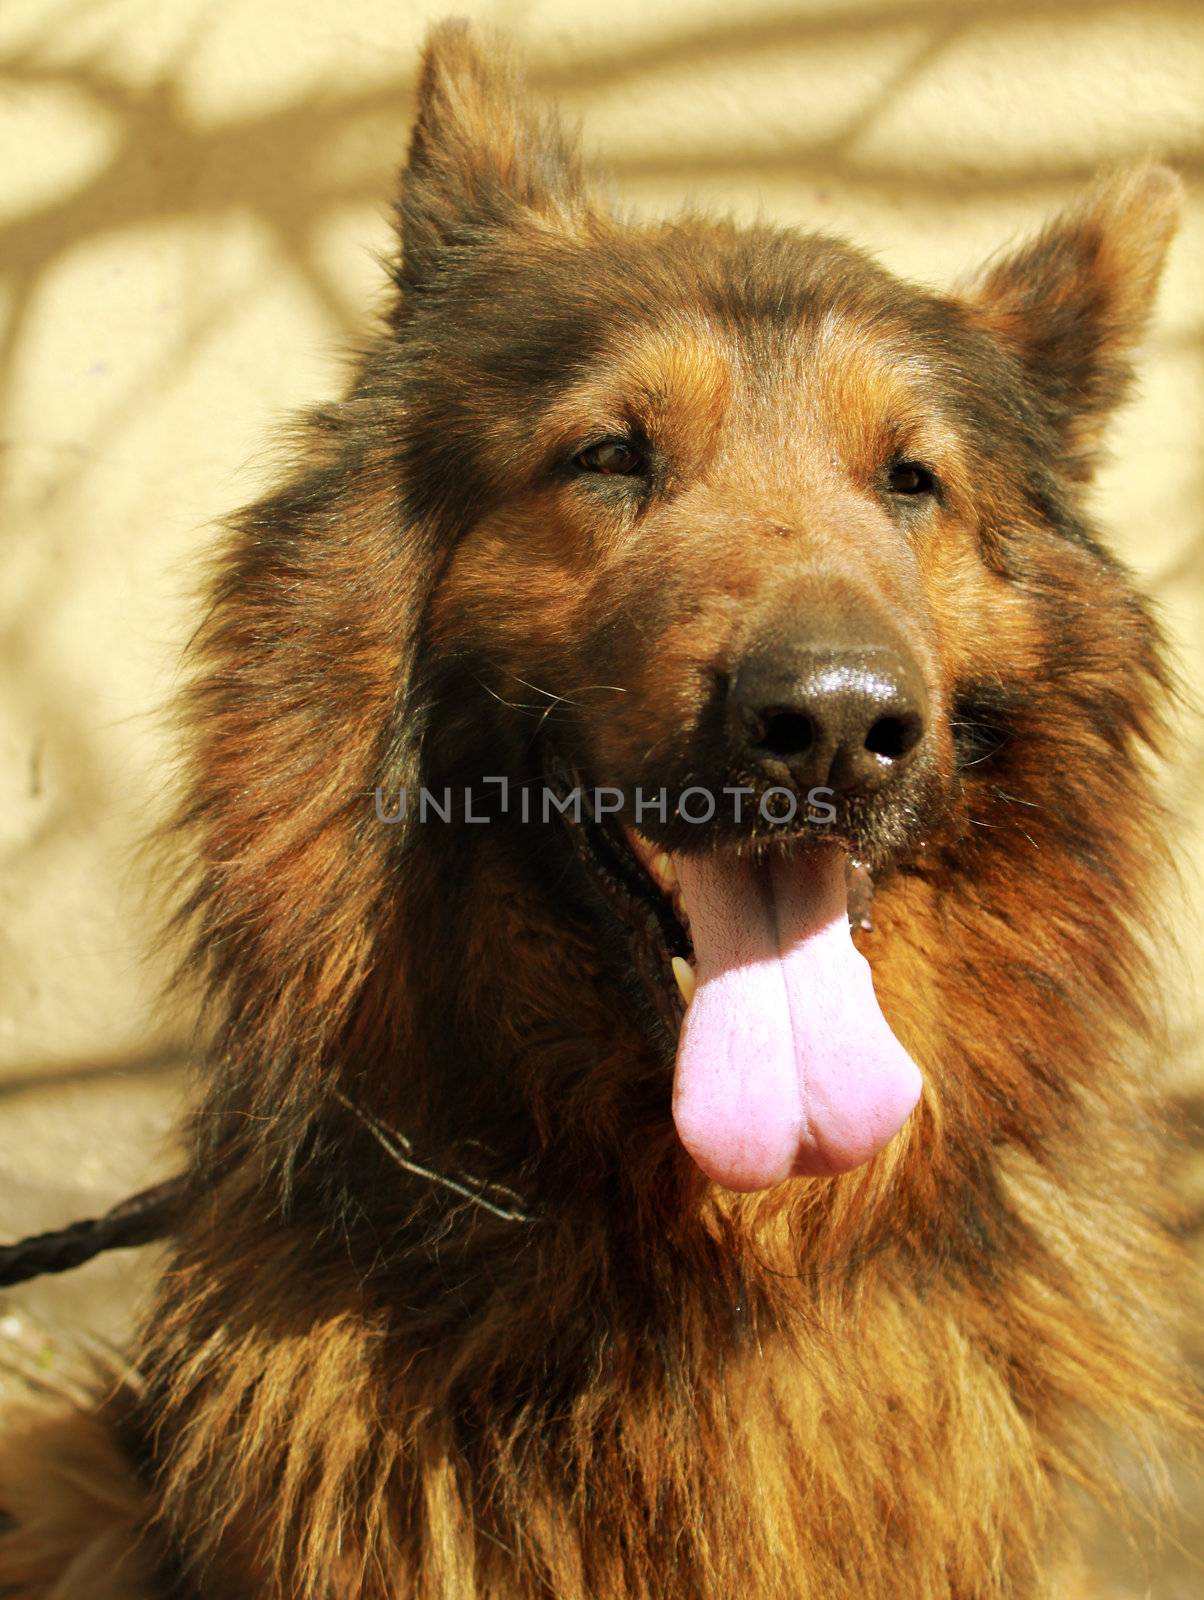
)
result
[(614, 457), (910, 477)]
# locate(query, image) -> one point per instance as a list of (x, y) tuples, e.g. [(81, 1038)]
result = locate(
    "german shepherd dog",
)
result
[(670, 788)]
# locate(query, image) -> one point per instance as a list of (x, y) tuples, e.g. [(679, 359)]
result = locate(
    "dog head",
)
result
[(779, 563), (759, 547)]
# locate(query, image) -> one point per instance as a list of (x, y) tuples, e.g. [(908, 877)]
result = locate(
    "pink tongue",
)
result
[(785, 1064)]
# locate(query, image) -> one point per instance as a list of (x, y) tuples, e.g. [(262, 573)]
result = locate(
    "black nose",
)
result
[(848, 719)]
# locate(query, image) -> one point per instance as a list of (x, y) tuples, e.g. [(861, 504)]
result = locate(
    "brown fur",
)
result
[(879, 1385)]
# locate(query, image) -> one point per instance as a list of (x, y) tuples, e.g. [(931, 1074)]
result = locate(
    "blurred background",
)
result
[(193, 197)]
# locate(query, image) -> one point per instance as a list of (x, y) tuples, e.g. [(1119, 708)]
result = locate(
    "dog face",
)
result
[(776, 550), (740, 508), (713, 560)]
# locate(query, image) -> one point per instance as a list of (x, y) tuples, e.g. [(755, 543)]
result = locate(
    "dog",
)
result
[(670, 784)]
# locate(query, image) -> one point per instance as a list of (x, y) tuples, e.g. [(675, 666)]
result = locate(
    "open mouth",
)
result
[(785, 1064), (662, 874), (662, 886)]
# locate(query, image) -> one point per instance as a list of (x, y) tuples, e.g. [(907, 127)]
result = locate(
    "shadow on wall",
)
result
[(273, 166)]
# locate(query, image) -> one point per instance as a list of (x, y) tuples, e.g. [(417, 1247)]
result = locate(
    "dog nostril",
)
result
[(894, 737), (787, 733)]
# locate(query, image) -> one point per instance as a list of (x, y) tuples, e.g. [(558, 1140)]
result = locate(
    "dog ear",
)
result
[(481, 157), (1073, 303)]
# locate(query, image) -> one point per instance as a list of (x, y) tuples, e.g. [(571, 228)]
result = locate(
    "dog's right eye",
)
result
[(614, 457), (911, 478)]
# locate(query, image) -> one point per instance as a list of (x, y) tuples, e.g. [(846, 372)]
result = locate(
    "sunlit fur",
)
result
[(881, 1385)]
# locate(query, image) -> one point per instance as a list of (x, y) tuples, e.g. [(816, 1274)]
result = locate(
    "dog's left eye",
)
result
[(910, 477), (614, 457)]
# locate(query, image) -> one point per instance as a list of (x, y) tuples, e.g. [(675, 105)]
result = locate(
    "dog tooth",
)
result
[(663, 870), (684, 974)]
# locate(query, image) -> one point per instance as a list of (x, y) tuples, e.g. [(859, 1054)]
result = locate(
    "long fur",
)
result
[(882, 1385)]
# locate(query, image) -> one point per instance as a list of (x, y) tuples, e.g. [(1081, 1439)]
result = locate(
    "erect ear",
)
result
[(481, 155), (1072, 304)]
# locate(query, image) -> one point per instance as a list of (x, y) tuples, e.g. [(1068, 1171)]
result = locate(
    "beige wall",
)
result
[(191, 192)]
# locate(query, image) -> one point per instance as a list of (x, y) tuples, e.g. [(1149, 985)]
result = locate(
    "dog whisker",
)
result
[(513, 705), (556, 699)]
